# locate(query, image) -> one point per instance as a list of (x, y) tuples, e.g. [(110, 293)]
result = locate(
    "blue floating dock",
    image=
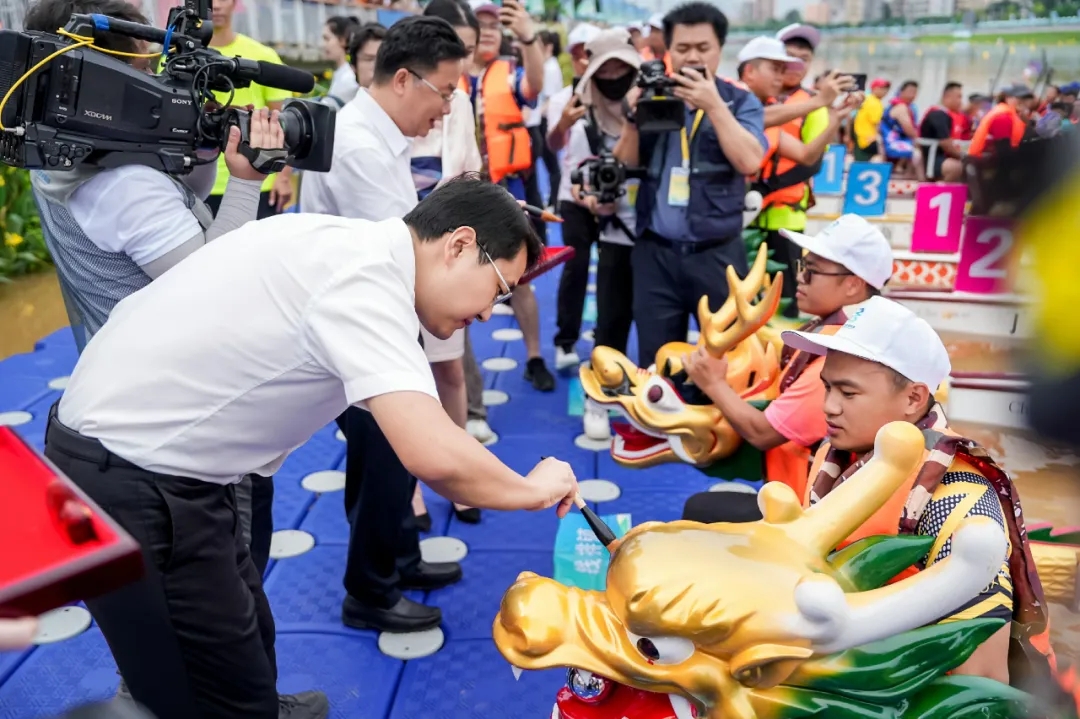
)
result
[(466, 679)]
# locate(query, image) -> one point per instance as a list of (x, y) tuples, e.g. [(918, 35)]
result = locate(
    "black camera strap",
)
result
[(263, 160), (596, 146)]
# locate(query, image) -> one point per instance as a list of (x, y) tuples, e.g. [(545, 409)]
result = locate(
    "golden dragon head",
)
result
[(663, 425), (727, 618)]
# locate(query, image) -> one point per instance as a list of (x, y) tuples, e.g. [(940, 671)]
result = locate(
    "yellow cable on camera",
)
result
[(80, 41)]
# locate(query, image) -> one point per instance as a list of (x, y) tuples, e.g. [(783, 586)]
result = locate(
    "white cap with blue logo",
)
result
[(888, 333)]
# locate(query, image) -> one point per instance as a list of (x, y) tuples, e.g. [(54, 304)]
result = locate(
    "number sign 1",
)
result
[(939, 218), (984, 256), (867, 188), (830, 178)]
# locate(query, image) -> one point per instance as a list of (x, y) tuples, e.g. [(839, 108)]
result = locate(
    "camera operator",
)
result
[(690, 206), (592, 214), (185, 390), (112, 231)]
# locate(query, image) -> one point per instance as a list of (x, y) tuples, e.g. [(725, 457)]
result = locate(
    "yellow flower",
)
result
[(327, 74), (2, 183), (12, 239)]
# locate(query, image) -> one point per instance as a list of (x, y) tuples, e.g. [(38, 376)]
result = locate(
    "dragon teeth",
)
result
[(517, 672), (681, 707)]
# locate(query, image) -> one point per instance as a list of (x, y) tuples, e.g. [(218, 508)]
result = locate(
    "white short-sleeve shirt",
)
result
[(239, 354)]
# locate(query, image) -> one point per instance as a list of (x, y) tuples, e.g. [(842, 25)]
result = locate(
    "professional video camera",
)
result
[(67, 104), (658, 110), (603, 177)]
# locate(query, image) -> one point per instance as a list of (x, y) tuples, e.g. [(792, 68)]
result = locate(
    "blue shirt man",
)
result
[(690, 203)]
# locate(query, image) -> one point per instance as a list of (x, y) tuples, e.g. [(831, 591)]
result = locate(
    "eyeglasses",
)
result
[(446, 98), (806, 274), (503, 296)]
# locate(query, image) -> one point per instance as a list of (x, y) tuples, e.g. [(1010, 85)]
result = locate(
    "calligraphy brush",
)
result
[(542, 214), (599, 528)]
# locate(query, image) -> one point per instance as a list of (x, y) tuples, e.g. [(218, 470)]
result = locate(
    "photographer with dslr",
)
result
[(596, 201), (690, 206)]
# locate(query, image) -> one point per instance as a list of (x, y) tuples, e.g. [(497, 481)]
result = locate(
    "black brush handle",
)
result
[(599, 528)]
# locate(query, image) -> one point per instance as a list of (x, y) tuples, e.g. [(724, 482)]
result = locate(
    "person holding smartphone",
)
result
[(689, 209), (500, 88)]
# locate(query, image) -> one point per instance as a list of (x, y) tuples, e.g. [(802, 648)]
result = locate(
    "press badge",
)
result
[(679, 187)]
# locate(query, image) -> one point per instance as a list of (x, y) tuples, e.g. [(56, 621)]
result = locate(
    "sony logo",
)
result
[(98, 115), (180, 101)]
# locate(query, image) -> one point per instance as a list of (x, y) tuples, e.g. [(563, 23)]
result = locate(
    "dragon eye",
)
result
[(663, 650), (662, 396)]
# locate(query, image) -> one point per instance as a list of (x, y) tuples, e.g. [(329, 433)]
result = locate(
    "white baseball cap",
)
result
[(853, 242), (766, 48), (888, 333), (655, 22), (582, 34)]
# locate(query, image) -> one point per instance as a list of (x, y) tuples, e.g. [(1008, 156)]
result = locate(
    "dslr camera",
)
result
[(67, 104), (658, 110), (603, 177)]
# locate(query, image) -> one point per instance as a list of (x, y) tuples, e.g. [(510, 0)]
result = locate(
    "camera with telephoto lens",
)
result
[(67, 104), (658, 110)]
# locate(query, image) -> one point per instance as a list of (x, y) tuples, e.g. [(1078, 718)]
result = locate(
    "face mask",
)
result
[(615, 89)]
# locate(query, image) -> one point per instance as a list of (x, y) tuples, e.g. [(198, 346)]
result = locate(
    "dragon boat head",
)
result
[(669, 420), (763, 620)]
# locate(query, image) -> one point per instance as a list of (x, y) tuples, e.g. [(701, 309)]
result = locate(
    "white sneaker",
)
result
[(480, 430), (565, 360), (597, 425)]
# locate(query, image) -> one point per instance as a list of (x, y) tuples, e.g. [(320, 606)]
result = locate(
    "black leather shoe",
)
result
[(537, 373), (305, 705), (469, 516), (405, 616), (431, 575)]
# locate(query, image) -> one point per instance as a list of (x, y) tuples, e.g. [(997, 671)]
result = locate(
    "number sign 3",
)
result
[(867, 188), (830, 178), (984, 256), (939, 218)]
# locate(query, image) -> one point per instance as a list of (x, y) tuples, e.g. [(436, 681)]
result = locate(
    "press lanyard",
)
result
[(686, 141)]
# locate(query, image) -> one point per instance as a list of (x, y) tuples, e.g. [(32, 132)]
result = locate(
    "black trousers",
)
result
[(195, 636), (262, 521), (551, 162), (265, 208), (532, 182), (614, 296), (384, 541), (670, 279), (789, 253), (580, 231)]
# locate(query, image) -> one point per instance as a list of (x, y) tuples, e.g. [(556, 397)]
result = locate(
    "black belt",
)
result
[(683, 248), (69, 442)]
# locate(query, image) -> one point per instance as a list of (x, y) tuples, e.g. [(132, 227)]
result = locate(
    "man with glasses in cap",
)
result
[(846, 264)]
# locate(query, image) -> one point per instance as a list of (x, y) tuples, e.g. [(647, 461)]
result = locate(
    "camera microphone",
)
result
[(271, 74)]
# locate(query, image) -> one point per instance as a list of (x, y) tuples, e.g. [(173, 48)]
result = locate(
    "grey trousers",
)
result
[(474, 382)]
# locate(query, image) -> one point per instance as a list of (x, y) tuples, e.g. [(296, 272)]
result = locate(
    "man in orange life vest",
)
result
[(499, 90), (883, 366), (804, 116), (762, 65), (946, 123), (1003, 123), (846, 264)]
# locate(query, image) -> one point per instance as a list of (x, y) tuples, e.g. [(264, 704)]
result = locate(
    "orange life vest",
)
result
[(506, 138), (794, 127), (789, 463), (774, 165), (978, 141)]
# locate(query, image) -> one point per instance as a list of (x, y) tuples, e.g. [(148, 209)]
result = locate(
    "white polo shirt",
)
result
[(239, 354), (371, 173)]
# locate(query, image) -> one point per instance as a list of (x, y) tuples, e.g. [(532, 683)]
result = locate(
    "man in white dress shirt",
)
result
[(236, 357), (416, 72)]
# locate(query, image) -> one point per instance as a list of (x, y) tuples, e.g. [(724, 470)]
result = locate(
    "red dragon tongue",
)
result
[(633, 440)]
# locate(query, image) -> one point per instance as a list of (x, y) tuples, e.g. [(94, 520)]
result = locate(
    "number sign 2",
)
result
[(939, 218), (984, 256), (830, 178), (867, 188)]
